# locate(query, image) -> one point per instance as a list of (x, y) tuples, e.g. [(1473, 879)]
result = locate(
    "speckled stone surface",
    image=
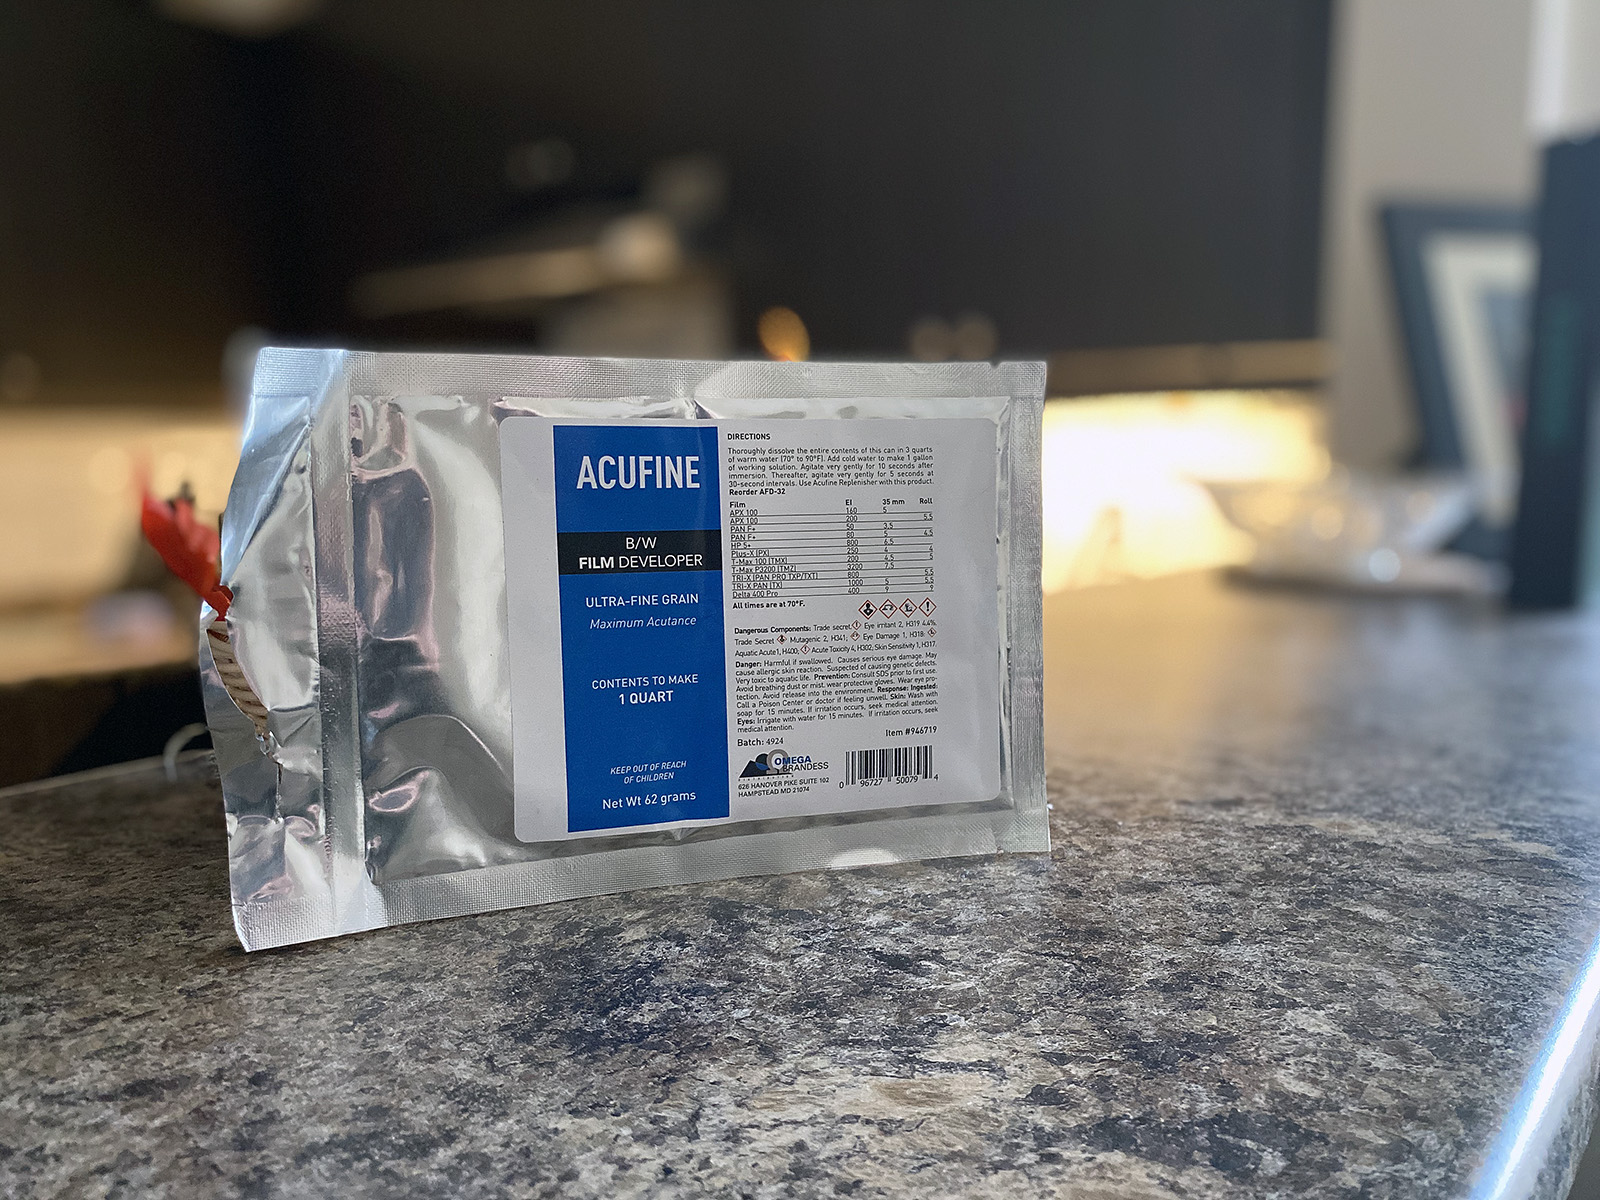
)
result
[(1324, 872)]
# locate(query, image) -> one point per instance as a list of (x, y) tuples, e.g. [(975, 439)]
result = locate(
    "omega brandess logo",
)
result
[(779, 762)]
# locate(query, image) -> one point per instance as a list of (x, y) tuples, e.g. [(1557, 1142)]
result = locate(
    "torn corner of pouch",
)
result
[(235, 682)]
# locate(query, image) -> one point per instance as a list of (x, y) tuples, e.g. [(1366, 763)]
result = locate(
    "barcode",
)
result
[(887, 764)]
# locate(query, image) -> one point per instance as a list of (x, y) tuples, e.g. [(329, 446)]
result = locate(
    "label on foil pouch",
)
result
[(716, 621)]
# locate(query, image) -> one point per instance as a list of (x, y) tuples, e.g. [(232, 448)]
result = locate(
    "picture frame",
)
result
[(1463, 277)]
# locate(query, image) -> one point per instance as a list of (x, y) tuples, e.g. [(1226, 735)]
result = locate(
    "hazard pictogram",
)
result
[(866, 609)]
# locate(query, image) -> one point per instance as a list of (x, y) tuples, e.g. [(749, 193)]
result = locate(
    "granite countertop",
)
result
[(1325, 871)]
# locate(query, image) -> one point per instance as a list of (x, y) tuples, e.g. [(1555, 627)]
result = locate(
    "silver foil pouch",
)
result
[(517, 630)]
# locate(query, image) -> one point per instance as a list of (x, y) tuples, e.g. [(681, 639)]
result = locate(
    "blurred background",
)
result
[(1201, 215)]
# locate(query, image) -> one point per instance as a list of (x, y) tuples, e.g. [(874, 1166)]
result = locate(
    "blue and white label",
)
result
[(743, 620), (639, 555)]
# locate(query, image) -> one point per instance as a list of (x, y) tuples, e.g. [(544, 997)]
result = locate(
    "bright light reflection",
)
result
[(1121, 493), (1537, 1115)]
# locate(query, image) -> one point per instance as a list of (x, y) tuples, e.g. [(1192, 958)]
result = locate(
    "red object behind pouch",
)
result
[(191, 550)]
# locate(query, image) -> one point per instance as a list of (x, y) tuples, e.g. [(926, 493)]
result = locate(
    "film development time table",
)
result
[(848, 551)]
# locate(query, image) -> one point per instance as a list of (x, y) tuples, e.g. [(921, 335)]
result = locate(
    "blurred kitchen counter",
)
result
[(1325, 870), (86, 686), (54, 643), (98, 650)]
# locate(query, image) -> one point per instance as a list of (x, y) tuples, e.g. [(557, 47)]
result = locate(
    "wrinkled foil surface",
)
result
[(363, 544)]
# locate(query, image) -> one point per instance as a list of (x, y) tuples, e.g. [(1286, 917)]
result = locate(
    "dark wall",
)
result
[(1086, 173), (127, 225)]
